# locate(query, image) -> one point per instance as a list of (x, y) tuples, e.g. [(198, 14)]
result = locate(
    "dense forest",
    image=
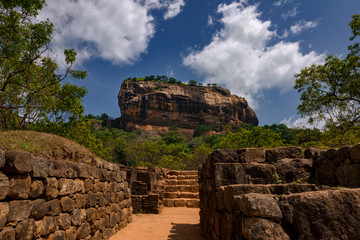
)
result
[(174, 151)]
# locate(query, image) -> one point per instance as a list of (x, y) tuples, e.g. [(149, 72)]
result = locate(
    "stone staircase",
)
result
[(182, 189)]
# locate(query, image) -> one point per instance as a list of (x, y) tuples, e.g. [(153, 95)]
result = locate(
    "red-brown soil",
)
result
[(171, 224)]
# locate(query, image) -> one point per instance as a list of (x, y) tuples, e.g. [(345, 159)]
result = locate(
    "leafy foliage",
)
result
[(172, 149), (287, 134), (256, 137), (201, 130), (31, 89), (164, 78), (330, 91), (192, 83)]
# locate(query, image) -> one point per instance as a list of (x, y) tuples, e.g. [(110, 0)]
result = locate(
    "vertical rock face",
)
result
[(155, 105)]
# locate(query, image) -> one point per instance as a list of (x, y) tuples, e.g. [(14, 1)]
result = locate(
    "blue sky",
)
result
[(252, 48)]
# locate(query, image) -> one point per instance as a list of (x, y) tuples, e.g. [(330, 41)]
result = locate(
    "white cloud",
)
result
[(291, 13), (240, 59), (302, 122), (303, 25), (117, 31), (281, 2), (174, 9), (210, 21)]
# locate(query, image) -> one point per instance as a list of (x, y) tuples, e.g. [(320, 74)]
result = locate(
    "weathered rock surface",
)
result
[(274, 155), (297, 169), (4, 186), (2, 158), (155, 106), (4, 212), (331, 214), (260, 173), (258, 205), (259, 229)]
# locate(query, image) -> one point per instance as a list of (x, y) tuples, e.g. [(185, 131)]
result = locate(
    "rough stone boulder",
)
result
[(155, 106), (259, 229), (297, 169), (330, 214), (274, 155)]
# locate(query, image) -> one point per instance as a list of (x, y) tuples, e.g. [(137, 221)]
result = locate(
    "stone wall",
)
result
[(45, 199), (336, 167), (147, 186), (266, 194)]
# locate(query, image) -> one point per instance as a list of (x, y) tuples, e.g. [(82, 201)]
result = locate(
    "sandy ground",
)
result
[(171, 224)]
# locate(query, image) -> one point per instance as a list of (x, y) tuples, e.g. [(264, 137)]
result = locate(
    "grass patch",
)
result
[(45, 145)]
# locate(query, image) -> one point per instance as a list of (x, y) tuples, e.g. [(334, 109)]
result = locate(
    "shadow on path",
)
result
[(181, 231)]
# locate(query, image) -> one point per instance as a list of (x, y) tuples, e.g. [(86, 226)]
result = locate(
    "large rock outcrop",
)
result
[(155, 106)]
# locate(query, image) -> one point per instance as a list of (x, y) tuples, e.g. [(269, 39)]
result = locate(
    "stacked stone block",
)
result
[(182, 189), (147, 189), (42, 199), (239, 200), (336, 166)]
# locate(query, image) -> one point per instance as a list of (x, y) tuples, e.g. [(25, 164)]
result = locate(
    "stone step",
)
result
[(189, 173), (181, 195), (182, 188), (182, 182), (184, 173), (181, 202), (182, 177)]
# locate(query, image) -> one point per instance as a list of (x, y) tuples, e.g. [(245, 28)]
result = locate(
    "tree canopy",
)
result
[(331, 91), (32, 88)]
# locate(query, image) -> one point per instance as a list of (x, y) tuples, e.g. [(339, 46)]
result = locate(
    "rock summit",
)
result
[(156, 106)]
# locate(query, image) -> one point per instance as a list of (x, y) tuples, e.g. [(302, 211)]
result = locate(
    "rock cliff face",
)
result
[(155, 106)]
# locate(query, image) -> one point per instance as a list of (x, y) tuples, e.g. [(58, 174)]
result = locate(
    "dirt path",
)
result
[(171, 224)]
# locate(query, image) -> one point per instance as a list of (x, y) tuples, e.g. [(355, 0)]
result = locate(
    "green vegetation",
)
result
[(254, 137), (330, 93), (164, 78), (45, 145), (277, 179), (172, 149), (32, 89)]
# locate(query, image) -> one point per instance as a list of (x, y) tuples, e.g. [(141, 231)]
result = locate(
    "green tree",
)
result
[(31, 87), (172, 80), (255, 137), (307, 137), (192, 83), (151, 152), (201, 130), (287, 134), (164, 78), (197, 157), (330, 91), (172, 137)]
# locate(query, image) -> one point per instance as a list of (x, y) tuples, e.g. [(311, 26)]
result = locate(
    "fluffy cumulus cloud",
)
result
[(239, 56), (174, 8), (117, 31)]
